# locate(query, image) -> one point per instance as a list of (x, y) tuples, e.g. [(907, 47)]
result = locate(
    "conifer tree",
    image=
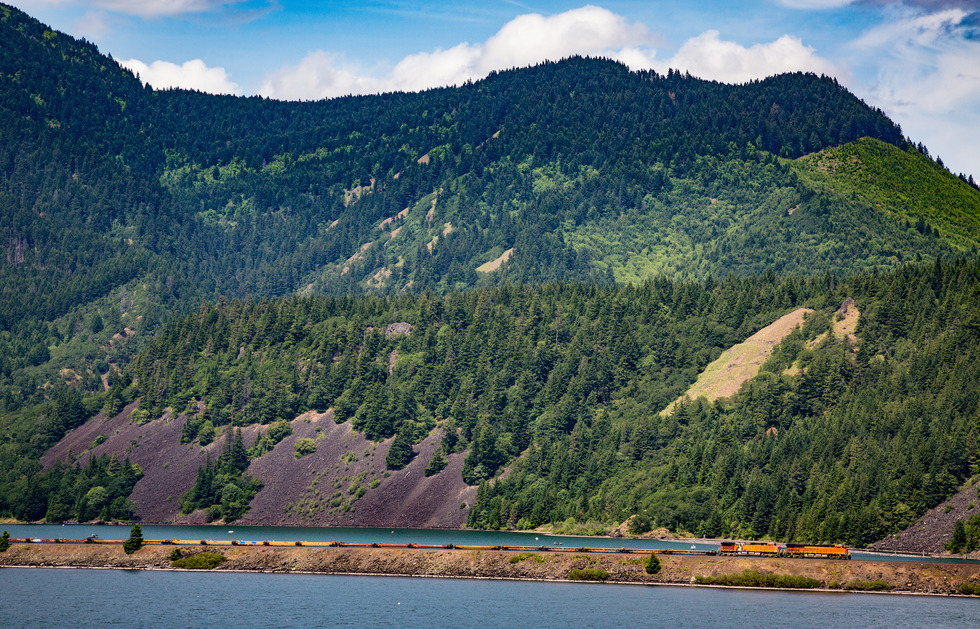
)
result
[(401, 452), (135, 541), (652, 564)]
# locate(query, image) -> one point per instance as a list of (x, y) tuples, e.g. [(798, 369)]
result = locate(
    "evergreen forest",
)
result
[(535, 265)]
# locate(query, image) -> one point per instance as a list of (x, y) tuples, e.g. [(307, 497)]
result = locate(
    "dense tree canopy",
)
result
[(537, 262)]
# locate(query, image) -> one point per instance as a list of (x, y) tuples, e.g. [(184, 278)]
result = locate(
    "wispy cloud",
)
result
[(193, 75), (816, 4), (927, 76), (92, 25), (154, 8), (929, 5)]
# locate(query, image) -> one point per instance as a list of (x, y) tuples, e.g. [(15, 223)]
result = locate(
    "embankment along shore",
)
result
[(898, 576)]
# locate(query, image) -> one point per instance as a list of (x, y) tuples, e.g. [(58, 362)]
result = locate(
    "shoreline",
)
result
[(484, 578), (835, 576), (527, 579)]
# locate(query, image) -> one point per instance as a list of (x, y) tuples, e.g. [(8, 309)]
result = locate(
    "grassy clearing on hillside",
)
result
[(904, 184), (724, 376)]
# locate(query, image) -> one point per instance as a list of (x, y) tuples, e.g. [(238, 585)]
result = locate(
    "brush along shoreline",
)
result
[(898, 577)]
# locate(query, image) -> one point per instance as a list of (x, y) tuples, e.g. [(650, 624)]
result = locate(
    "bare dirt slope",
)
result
[(332, 486), (321, 488), (935, 527), (169, 468), (723, 377)]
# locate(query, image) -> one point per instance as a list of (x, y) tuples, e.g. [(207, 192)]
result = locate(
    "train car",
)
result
[(837, 551), (728, 548), (760, 549)]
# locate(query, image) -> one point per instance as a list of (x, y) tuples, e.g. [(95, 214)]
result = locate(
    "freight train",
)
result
[(743, 549), (768, 549)]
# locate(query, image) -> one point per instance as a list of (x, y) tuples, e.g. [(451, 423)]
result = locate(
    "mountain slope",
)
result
[(128, 205), (840, 438), (904, 184), (177, 227)]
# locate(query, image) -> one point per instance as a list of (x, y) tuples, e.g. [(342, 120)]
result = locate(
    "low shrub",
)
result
[(753, 578), (588, 574), (866, 585), (200, 561), (574, 527), (176, 554), (304, 446), (535, 557), (972, 589)]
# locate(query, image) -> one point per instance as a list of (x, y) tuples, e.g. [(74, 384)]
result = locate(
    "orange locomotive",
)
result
[(837, 551), (760, 550), (770, 549)]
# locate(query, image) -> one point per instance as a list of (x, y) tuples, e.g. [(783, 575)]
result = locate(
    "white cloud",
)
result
[(319, 75), (523, 41), (192, 75), (709, 57), (927, 78), (154, 8), (533, 38)]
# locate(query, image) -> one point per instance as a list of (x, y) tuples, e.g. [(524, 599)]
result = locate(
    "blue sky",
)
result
[(918, 60)]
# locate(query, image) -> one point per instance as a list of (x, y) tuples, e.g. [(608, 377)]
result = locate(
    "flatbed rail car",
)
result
[(837, 551)]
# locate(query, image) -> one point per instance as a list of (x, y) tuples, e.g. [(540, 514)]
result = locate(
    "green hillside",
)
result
[(564, 385), (905, 185), (850, 445), (572, 242), (127, 205)]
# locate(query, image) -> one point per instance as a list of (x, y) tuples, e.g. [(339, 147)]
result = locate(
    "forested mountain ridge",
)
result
[(535, 191), (125, 204)]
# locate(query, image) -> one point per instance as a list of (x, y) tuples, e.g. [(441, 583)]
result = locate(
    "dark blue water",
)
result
[(115, 598), (328, 534), (377, 535)]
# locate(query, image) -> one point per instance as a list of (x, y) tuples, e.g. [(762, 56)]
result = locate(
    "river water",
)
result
[(46, 597), (378, 535)]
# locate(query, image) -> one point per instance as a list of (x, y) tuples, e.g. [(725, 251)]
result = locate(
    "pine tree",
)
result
[(959, 540), (400, 453), (652, 564), (135, 541), (4, 542)]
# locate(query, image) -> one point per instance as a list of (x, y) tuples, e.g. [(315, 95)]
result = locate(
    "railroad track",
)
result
[(336, 544)]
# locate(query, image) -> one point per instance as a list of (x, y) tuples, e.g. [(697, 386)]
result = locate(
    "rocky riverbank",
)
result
[(906, 577)]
